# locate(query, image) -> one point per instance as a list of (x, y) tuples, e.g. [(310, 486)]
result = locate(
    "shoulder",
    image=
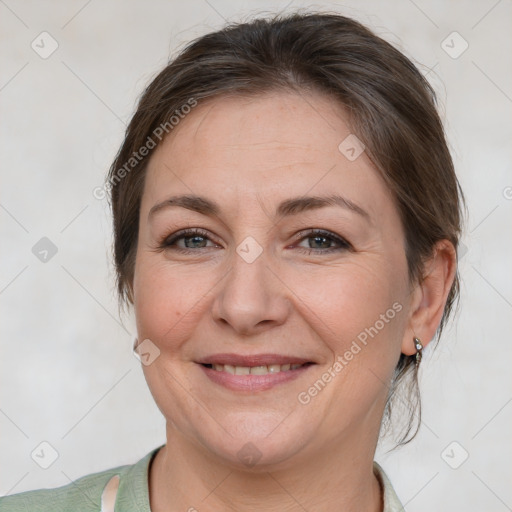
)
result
[(83, 494)]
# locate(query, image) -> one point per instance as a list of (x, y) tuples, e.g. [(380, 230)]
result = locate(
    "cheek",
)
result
[(350, 298), (168, 298)]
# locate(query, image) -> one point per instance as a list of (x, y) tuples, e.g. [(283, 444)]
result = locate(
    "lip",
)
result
[(252, 360), (251, 382)]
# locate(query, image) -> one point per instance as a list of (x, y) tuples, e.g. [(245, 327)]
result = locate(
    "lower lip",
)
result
[(253, 382)]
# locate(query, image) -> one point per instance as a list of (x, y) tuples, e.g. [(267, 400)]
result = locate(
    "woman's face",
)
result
[(272, 279)]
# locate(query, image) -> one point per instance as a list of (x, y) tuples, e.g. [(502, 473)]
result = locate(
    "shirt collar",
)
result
[(133, 492), (391, 501)]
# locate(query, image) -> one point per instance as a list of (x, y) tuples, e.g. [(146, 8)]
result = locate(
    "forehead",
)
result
[(282, 124), (277, 144)]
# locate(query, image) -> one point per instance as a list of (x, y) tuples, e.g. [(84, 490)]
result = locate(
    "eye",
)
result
[(193, 238), (321, 241)]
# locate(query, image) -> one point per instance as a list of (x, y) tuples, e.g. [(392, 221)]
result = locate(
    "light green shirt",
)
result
[(85, 493)]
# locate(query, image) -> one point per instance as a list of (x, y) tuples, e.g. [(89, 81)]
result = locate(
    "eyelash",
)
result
[(167, 243)]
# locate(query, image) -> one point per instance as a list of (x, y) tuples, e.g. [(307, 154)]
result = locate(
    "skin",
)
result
[(248, 155)]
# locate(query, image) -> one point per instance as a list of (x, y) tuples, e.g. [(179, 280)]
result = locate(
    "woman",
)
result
[(286, 220)]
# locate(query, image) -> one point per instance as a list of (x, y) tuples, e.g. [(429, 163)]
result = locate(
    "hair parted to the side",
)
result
[(392, 109)]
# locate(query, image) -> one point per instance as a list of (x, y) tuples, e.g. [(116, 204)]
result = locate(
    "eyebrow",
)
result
[(287, 208)]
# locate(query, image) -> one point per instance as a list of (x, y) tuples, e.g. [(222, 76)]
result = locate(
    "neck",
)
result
[(184, 476)]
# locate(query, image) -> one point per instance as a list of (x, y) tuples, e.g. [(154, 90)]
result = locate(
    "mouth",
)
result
[(255, 370), (253, 373)]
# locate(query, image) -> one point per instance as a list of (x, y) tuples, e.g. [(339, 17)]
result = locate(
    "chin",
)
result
[(257, 441)]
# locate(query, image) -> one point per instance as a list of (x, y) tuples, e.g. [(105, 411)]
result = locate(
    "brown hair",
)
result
[(392, 109)]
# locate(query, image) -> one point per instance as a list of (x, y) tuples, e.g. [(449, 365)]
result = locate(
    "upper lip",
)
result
[(252, 360)]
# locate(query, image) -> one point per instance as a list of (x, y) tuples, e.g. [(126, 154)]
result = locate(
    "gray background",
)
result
[(68, 376)]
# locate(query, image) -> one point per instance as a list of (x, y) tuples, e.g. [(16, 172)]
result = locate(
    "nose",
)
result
[(251, 298)]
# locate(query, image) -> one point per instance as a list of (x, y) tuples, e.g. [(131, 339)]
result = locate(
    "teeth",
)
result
[(255, 370), (259, 370), (230, 369)]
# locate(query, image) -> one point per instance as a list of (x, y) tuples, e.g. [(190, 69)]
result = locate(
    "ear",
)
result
[(430, 295)]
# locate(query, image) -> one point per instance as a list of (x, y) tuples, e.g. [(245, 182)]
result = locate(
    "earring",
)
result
[(419, 349)]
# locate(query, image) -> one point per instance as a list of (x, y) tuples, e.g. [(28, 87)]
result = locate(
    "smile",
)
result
[(252, 373), (254, 370)]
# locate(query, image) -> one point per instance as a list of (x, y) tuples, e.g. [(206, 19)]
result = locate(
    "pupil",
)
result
[(317, 238)]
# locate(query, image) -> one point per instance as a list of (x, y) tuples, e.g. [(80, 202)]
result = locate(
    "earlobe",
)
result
[(430, 296)]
